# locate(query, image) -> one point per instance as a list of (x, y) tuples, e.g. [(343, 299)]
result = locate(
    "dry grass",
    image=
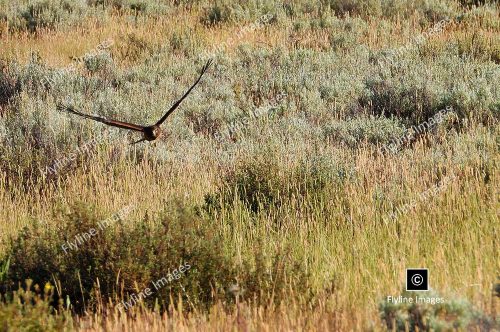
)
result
[(340, 236)]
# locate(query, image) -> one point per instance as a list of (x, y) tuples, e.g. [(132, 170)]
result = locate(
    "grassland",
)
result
[(287, 180)]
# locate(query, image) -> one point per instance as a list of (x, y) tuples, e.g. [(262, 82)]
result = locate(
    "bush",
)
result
[(263, 181), (449, 315), (134, 7), (476, 3), (353, 7), (46, 14), (99, 63), (409, 101), (216, 14), (9, 85), (357, 131), (122, 260), (346, 33), (30, 309), (480, 47), (116, 4), (404, 89)]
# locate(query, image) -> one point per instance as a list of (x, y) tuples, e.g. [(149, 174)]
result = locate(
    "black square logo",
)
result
[(417, 279)]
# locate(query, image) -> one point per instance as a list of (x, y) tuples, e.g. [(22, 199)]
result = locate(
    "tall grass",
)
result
[(289, 222)]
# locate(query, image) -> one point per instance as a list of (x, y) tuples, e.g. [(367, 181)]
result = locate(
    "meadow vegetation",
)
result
[(283, 219)]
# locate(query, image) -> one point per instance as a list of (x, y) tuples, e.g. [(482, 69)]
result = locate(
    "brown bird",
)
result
[(150, 133)]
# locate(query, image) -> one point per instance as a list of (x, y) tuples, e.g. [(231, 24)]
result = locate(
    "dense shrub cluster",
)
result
[(333, 97), (360, 130), (413, 92), (122, 259), (30, 309), (44, 14), (9, 86), (268, 179), (52, 14), (453, 313)]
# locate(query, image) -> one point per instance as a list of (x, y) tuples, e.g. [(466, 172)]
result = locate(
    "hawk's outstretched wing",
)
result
[(114, 123), (178, 102)]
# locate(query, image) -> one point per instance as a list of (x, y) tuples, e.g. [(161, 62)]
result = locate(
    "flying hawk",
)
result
[(150, 133)]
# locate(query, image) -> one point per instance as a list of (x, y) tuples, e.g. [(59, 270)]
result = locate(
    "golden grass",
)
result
[(57, 47), (453, 233), (289, 317)]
